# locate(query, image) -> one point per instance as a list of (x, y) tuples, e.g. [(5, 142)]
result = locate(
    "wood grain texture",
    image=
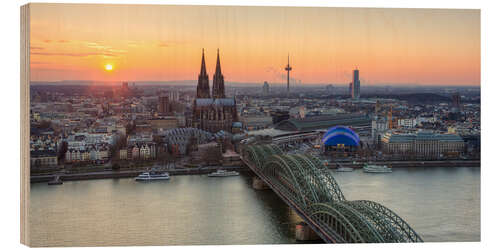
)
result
[(25, 130)]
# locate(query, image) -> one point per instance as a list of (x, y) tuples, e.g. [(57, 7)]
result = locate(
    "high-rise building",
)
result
[(163, 105), (265, 88), (456, 102), (355, 86)]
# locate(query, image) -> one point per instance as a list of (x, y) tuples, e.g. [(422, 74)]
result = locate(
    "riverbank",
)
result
[(403, 164), (112, 174)]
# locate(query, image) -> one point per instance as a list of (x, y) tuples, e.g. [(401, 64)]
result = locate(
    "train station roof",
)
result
[(323, 122)]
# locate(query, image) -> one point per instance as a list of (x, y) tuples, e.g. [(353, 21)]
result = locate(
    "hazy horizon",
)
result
[(193, 83)]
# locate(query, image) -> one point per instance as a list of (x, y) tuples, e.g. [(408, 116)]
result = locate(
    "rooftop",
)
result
[(422, 136), (323, 122)]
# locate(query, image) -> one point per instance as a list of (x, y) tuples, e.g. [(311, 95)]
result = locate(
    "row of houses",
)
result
[(43, 158), (93, 153), (144, 151)]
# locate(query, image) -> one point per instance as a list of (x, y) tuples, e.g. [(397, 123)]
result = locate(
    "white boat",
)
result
[(376, 169), (223, 173), (152, 176), (344, 169)]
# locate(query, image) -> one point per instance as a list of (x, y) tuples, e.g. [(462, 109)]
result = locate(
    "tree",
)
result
[(120, 143), (63, 150)]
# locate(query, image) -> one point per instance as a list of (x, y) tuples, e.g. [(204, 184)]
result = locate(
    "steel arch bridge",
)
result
[(306, 185)]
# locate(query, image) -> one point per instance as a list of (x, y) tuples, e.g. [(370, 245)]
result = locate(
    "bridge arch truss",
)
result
[(310, 186)]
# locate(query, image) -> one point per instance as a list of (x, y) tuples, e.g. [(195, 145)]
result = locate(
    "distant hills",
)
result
[(416, 98)]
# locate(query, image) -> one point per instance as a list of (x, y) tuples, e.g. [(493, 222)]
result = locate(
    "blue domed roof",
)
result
[(340, 135)]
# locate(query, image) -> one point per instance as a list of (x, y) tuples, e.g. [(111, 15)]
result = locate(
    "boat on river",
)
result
[(152, 176), (344, 169), (376, 169), (223, 173)]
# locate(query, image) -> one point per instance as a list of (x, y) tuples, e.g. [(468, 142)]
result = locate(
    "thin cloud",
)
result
[(97, 46), (38, 62), (165, 44), (73, 54), (116, 51)]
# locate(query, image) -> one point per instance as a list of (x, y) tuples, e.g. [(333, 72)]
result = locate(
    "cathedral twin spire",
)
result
[(203, 89)]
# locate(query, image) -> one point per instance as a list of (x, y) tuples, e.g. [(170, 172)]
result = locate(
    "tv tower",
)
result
[(288, 69)]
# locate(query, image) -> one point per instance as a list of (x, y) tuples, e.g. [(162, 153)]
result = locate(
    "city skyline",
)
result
[(163, 43)]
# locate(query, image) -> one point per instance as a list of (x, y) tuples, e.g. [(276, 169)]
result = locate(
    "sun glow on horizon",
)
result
[(108, 67)]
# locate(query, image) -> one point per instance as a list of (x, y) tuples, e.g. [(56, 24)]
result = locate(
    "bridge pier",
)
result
[(259, 184), (304, 233)]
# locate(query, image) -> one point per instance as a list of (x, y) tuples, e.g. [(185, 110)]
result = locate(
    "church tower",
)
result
[(218, 83), (203, 89)]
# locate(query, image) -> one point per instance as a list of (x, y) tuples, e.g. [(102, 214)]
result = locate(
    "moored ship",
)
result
[(376, 169), (152, 176), (344, 169), (223, 173)]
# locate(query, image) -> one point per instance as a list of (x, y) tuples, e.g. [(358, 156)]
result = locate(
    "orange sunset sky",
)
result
[(164, 43)]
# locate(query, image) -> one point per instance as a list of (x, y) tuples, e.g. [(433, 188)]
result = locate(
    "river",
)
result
[(441, 204)]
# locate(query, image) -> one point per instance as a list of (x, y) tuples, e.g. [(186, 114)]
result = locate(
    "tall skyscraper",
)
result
[(218, 83), (288, 69), (456, 102), (203, 89), (355, 85), (164, 107), (265, 88)]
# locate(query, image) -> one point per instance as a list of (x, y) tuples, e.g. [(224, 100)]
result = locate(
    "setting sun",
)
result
[(108, 67)]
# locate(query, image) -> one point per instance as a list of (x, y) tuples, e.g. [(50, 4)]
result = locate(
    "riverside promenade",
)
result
[(110, 174), (403, 164), (106, 173)]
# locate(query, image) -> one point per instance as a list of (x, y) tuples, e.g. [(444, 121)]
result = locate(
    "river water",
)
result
[(441, 204)]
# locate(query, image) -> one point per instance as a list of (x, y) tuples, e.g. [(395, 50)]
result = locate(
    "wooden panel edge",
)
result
[(24, 142)]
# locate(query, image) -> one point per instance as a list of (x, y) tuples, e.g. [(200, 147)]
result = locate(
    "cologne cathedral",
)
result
[(212, 112)]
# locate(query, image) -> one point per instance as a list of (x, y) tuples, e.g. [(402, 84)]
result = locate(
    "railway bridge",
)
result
[(309, 188)]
